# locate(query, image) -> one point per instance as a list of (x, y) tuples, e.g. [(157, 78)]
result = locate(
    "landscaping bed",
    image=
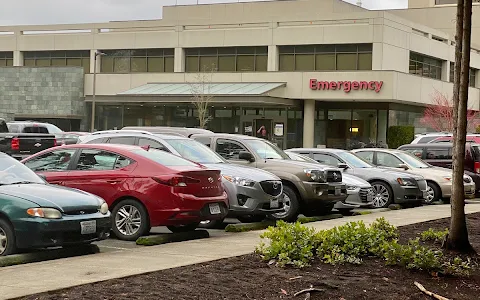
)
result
[(249, 277)]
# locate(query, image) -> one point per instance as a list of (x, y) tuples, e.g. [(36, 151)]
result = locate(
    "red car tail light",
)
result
[(477, 167), (15, 145), (177, 181), (55, 143)]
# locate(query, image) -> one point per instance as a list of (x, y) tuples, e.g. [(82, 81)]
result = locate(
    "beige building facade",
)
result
[(312, 72)]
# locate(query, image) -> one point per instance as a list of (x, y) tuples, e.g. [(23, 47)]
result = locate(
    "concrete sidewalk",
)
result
[(40, 277)]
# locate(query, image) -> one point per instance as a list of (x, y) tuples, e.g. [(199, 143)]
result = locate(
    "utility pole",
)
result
[(92, 124)]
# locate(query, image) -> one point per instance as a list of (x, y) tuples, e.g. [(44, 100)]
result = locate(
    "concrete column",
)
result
[(446, 70), (382, 126), (179, 60), (17, 58), (92, 61), (377, 56), (272, 58), (308, 123)]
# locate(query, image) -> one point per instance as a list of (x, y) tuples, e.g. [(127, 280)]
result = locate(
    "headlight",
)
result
[(406, 182), (467, 179), (104, 208), (316, 175), (351, 187), (47, 213), (239, 180)]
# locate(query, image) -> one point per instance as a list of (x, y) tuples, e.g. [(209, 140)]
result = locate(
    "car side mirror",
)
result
[(403, 166), (244, 155), (342, 166)]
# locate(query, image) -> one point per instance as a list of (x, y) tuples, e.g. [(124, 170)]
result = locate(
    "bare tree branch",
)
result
[(201, 94)]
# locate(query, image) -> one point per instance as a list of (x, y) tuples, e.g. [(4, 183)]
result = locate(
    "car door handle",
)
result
[(113, 181)]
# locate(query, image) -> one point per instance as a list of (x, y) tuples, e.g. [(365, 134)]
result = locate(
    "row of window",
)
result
[(325, 57), (6, 59), (473, 74), (138, 60), (74, 58), (425, 66), (227, 59)]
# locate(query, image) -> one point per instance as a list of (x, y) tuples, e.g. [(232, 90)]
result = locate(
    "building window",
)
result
[(473, 74), (425, 66), (6, 59), (137, 60), (227, 59), (80, 58), (326, 57)]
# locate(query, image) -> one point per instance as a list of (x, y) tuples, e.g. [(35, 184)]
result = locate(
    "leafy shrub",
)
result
[(400, 135), (434, 235), (290, 244), (297, 245)]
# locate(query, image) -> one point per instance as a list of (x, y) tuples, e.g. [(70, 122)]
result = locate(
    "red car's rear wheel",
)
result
[(130, 220)]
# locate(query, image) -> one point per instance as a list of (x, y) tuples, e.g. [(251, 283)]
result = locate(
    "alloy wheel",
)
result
[(128, 220), (3, 241), (430, 195), (286, 207), (381, 195)]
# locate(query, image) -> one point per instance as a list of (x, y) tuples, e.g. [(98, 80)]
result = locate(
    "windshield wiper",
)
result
[(22, 182)]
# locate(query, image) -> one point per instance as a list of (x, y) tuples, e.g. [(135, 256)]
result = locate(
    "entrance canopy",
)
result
[(213, 89)]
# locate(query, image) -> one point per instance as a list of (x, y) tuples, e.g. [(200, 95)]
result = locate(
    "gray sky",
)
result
[(23, 12)]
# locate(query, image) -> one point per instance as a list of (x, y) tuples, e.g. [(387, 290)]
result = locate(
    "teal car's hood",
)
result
[(46, 195)]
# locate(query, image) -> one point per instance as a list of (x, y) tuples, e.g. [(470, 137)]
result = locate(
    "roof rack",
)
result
[(121, 131)]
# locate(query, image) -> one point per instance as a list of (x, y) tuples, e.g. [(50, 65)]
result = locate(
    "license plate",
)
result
[(274, 203), (338, 191), (88, 227), (215, 209)]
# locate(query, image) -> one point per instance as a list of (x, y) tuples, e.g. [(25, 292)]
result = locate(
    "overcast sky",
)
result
[(23, 12)]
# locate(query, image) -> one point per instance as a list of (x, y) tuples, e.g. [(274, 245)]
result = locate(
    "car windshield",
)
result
[(53, 129), (12, 172), (413, 161), (300, 157), (354, 160), (164, 158), (195, 151), (266, 150)]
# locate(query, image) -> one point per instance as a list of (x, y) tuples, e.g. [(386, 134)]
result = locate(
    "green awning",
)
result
[(214, 89)]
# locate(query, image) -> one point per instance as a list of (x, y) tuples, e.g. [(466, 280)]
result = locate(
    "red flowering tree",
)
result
[(439, 115)]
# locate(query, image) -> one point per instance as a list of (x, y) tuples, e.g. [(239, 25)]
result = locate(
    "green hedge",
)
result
[(400, 135)]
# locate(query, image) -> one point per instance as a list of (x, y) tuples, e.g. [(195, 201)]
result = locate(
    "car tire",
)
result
[(211, 224), (130, 207), (292, 205), (7, 239), (251, 218), (380, 187), (433, 192), (183, 228)]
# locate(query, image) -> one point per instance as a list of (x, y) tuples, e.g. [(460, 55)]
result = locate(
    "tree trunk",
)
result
[(458, 234)]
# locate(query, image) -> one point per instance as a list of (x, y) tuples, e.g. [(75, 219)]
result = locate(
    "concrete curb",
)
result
[(305, 220), (243, 227), (153, 240), (44, 255)]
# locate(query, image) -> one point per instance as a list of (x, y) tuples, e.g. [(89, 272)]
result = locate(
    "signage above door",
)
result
[(346, 86)]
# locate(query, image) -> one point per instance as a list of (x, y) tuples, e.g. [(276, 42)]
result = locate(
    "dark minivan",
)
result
[(440, 154)]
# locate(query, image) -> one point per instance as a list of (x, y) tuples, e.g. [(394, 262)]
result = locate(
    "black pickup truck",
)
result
[(25, 143)]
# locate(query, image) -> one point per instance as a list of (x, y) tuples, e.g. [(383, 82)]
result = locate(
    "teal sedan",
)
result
[(35, 214)]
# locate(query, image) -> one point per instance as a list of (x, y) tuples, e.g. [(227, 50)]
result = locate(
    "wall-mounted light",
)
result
[(354, 129)]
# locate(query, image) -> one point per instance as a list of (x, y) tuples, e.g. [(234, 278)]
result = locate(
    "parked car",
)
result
[(470, 138), (310, 189), (180, 131), (144, 188), (424, 138), (360, 192), (253, 193), (25, 141), (68, 138), (440, 155), (439, 180), (389, 186), (35, 214)]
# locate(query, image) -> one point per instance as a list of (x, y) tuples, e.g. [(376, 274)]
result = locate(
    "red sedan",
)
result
[(143, 188)]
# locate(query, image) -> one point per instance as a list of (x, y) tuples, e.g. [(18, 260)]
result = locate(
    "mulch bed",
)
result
[(247, 277)]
